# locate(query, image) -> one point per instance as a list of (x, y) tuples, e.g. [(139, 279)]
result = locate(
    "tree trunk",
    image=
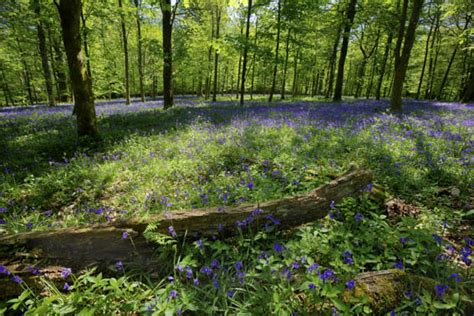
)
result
[(350, 14), (246, 48), (332, 63), (294, 88), (446, 74), (285, 66), (207, 93), (401, 63), (216, 56), (6, 90), (167, 54), (468, 92), (70, 14), (26, 72), (103, 243), (253, 61), (277, 50), (86, 46), (401, 31), (427, 47), (382, 67), (44, 54), (125, 53), (139, 52)]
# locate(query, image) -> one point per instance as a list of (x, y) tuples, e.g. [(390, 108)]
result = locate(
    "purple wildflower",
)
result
[(172, 232), (311, 286), (358, 217), (350, 284), (124, 235), (66, 286), (4, 270), (457, 278), (313, 267), (66, 272), (17, 279), (119, 265), (230, 293), (399, 265), (441, 290), (173, 294), (438, 239)]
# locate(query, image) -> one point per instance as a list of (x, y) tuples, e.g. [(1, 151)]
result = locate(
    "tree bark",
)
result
[(207, 93), (350, 14), (254, 60), (139, 51), (103, 242), (167, 54), (125, 53), (86, 45), (70, 14), (285, 65), (401, 63), (216, 55), (425, 58), (384, 64), (44, 54), (332, 63), (277, 50), (468, 93), (246, 48)]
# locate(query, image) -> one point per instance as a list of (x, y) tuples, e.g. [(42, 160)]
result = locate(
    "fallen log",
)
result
[(81, 246), (387, 288)]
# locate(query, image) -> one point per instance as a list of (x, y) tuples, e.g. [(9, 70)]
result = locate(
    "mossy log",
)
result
[(386, 289), (105, 243)]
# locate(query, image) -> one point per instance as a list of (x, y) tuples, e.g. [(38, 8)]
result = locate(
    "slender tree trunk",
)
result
[(401, 32), (277, 50), (350, 14), (207, 93), (427, 47), (86, 46), (433, 52), (285, 65), (254, 61), (167, 54), (401, 64), (125, 53), (382, 67), (332, 63), (6, 90), (216, 56), (26, 72), (246, 48), (468, 92), (139, 52), (294, 88), (70, 14), (44, 54), (446, 73)]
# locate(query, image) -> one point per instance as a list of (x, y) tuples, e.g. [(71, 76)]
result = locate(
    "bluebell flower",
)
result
[(238, 265), (230, 293), (311, 286), (350, 284), (328, 274), (398, 265), (171, 279), (34, 270), (457, 278), (403, 240), (295, 265), (313, 267), (119, 265), (196, 281), (125, 235), (347, 257), (215, 264), (438, 239), (66, 286), (171, 231), (441, 290), (331, 205), (206, 270), (358, 217), (4, 270), (17, 279), (278, 248), (173, 294), (3, 209), (66, 272)]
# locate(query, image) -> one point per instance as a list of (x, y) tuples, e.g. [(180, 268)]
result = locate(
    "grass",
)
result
[(199, 155)]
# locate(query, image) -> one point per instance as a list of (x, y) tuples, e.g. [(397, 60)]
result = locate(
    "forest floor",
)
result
[(201, 154)]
